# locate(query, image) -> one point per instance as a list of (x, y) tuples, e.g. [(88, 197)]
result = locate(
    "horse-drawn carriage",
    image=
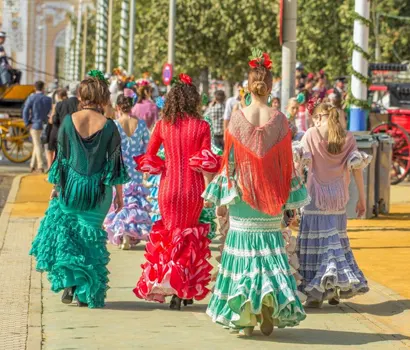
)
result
[(14, 136), (390, 91)]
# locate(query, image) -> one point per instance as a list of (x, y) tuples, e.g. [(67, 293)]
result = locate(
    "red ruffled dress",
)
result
[(178, 250)]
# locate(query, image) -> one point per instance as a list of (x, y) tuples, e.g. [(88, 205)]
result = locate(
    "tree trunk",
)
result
[(204, 80)]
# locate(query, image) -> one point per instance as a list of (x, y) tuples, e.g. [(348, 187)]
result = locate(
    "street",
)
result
[(33, 317)]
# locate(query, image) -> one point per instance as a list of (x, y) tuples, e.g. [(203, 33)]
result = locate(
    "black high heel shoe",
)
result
[(79, 303), (68, 295), (188, 302), (175, 303)]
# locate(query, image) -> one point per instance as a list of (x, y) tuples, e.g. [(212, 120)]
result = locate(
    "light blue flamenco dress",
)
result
[(70, 244), (133, 220)]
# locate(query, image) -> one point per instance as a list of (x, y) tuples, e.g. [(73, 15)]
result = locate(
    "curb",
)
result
[(5, 215), (34, 329), (35, 310)]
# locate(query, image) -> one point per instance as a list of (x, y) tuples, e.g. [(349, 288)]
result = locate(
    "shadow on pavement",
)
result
[(387, 308), (327, 337)]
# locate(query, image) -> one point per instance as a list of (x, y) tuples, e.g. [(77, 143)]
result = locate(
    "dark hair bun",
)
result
[(124, 103)]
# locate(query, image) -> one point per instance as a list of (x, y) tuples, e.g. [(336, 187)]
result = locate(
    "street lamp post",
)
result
[(360, 65), (288, 51), (131, 38), (171, 34)]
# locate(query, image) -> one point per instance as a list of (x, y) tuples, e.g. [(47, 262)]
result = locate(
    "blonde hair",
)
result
[(337, 134)]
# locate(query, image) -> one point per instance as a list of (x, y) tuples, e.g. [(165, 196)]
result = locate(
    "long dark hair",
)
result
[(182, 101)]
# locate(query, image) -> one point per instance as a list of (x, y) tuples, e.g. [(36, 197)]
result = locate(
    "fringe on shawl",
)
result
[(265, 181)]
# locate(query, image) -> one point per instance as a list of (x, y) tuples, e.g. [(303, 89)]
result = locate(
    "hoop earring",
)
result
[(248, 99)]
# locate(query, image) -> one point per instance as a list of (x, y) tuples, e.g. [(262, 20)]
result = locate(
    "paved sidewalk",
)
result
[(32, 317)]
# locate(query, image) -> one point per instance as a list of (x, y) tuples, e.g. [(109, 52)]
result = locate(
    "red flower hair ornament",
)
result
[(260, 59), (185, 79), (182, 79), (312, 104)]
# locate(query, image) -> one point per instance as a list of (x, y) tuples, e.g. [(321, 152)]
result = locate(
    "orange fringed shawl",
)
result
[(263, 161)]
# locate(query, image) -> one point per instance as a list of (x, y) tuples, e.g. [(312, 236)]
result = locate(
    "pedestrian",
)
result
[(132, 224), (35, 114), (178, 251), (5, 76), (292, 110), (276, 104), (257, 182), (216, 114), (145, 109), (70, 244), (231, 103), (67, 106), (53, 119), (327, 264)]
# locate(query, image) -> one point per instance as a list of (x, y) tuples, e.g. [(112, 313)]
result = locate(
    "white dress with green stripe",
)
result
[(254, 269)]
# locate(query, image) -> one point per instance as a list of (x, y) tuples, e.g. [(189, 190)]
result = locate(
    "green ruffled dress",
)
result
[(208, 214), (70, 244), (254, 268)]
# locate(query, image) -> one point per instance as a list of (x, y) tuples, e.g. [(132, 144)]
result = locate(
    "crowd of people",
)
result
[(138, 167)]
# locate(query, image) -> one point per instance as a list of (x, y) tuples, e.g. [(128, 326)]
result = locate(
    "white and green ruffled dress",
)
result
[(254, 268)]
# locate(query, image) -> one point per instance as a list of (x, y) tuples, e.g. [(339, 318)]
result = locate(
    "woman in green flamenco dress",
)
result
[(258, 182), (71, 244)]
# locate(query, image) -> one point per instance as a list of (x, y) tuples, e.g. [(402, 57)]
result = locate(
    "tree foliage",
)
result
[(217, 35)]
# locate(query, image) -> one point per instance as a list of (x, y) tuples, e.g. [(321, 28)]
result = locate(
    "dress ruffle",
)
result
[(326, 260), (254, 271), (153, 185), (298, 196), (177, 264), (206, 161), (73, 254), (151, 164), (208, 216), (220, 192), (300, 156), (133, 220), (359, 160)]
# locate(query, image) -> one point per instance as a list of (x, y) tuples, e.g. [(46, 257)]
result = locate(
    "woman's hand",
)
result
[(207, 204), (118, 203), (54, 194), (361, 207), (222, 211)]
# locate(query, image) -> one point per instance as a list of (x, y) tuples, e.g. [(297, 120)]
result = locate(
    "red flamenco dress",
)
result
[(178, 249)]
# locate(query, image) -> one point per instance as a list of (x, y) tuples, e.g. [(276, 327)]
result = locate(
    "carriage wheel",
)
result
[(401, 150), (16, 145)]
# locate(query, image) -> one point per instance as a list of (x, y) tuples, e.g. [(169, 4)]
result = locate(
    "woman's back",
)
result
[(134, 140), (258, 115)]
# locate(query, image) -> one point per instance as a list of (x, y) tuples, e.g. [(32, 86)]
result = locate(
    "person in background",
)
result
[(35, 114), (52, 137), (216, 113), (231, 102), (145, 109), (5, 76), (339, 88), (67, 106), (276, 104), (291, 115)]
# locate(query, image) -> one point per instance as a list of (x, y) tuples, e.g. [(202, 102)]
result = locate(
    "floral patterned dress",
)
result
[(134, 219)]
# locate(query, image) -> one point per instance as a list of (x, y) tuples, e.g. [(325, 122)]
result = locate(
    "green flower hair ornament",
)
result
[(301, 98), (95, 73)]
